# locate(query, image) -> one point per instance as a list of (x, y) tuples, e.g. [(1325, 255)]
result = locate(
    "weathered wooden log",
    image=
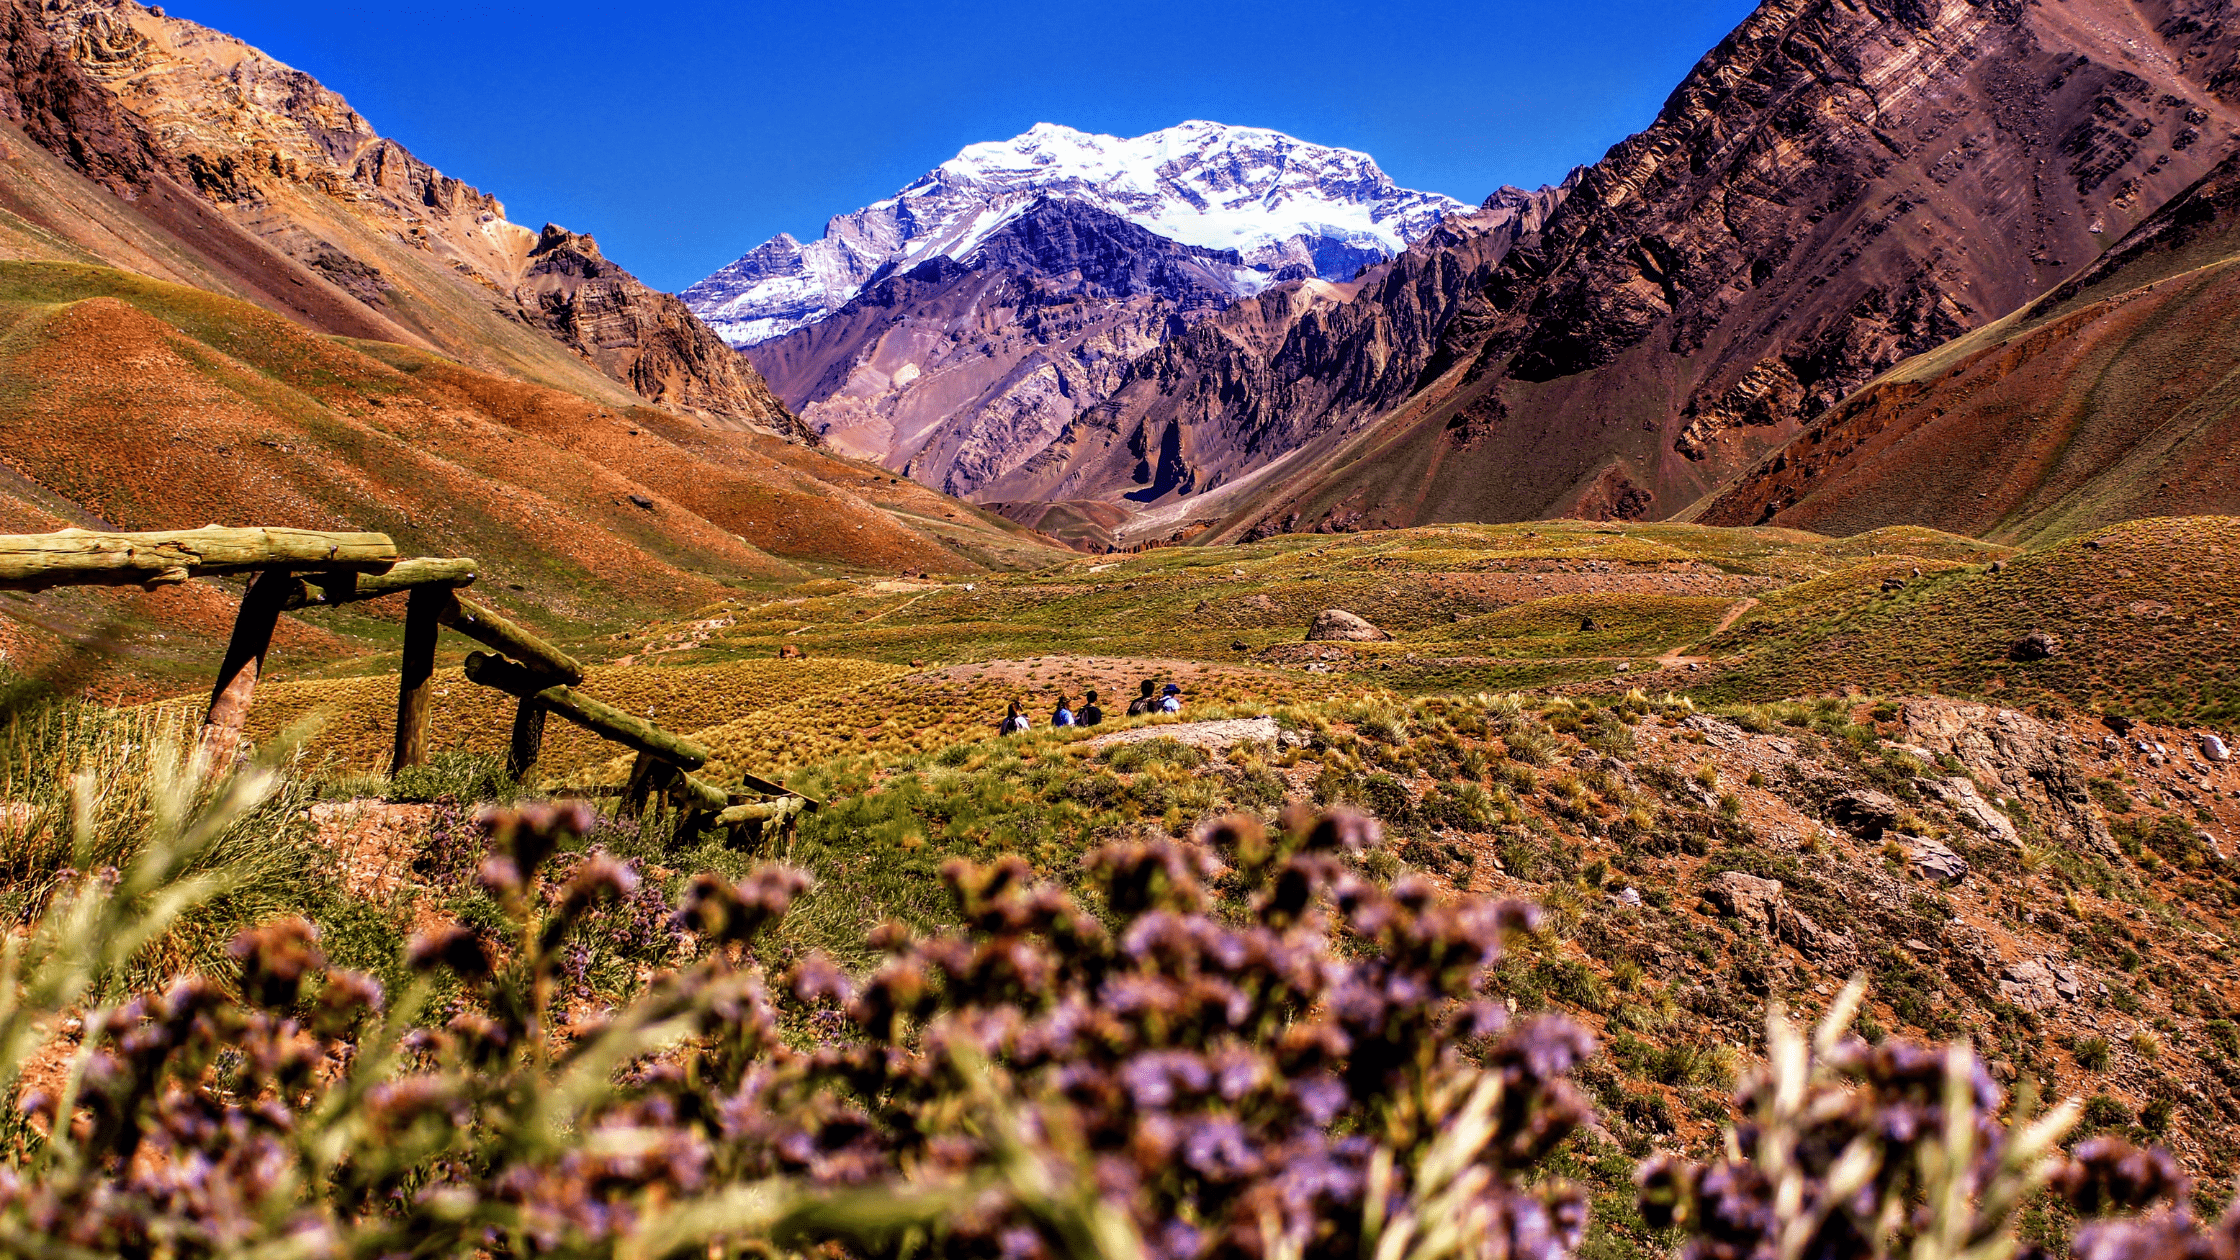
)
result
[(416, 677), (328, 590), (605, 720), (491, 630), (701, 794), (528, 740), (77, 557), (244, 661), (779, 810)]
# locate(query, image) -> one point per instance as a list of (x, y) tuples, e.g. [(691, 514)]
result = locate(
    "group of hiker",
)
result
[(1152, 699)]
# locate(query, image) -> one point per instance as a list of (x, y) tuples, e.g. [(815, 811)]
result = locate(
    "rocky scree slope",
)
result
[(1289, 209), (1272, 376), (957, 369), (1833, 189), (2111, 397), (242, 175)]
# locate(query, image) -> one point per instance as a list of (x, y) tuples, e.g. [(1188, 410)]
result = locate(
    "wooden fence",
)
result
[(295, 569)]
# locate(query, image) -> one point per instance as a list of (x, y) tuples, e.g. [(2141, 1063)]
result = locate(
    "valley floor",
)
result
[(1734, 765)]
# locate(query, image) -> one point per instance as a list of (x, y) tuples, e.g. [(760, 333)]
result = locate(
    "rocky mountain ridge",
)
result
[(331, 223), (1289, 209), (1834, 188), (954, 370), (1275, 374)]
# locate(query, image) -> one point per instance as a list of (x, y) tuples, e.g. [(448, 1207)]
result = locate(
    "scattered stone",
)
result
[(1336, 624), (1587, 624), (2117, 722), (788, 652), (1240, 646), (2213, 748), (1257, 603), (917, 664), (2035, 646), (374, 842), (2092, 544), (1932, 859), (1628, 896), (1893, 584), (642, 501), (1865, 813), (1998, 566)]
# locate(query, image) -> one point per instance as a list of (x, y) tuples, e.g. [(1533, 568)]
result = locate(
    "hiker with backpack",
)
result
[(1014, 722), (1063, 714), (1090, 714), (1145, 703)]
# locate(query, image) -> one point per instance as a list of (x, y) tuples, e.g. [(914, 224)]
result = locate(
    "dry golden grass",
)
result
[(357, 716)]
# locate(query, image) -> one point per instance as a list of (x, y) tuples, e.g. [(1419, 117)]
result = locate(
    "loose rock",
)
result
[(2035, 646), (1336, 624), (1932, 859)]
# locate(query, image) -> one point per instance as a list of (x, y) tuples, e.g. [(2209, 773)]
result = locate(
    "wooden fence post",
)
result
[(237, 675), (416, 677), (528, 739)]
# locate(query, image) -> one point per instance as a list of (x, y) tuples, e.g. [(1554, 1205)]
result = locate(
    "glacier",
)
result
[(1289, 208)]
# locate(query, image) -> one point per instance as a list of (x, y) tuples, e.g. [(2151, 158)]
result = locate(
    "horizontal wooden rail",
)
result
[(491, 630), (605, 720), (762, 811), (325, 590), (77, 557)]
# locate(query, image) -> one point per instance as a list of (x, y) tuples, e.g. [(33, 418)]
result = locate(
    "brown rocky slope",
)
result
[(2111, 397), (216, 166), (1275, 374), (1836, 187)]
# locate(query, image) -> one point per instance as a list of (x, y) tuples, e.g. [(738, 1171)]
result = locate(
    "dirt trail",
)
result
[(1678, 656)]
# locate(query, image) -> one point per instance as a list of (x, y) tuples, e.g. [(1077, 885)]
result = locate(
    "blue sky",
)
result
[(683, 134)]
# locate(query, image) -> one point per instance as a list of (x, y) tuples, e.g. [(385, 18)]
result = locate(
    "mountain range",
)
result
[(225, 297), (1834, 191)]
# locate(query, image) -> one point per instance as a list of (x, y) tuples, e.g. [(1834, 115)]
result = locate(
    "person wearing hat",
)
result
[(1170, 701)]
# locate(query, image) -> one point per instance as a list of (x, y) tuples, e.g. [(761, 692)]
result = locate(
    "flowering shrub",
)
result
[(1140, 1078), (1236, 1047)]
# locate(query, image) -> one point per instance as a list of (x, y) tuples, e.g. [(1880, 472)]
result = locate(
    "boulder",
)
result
[(1932, 859), (1338, 625), (2035, 646), (1759, 906), (1865, 813), (2213, 748), (1756, 902), (2038, 983)]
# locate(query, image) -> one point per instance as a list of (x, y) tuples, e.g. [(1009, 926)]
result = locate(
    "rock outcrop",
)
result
[(1279, 375), (2019, 756), (646, 339)]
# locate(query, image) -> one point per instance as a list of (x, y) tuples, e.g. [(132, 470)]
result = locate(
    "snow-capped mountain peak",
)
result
[(1289, 208)]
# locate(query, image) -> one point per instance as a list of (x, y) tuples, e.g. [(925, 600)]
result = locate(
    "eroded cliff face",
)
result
[(646, 339), (2111, 397), (1275, 374), (329, 222), (1836, 187), (957, 370)]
